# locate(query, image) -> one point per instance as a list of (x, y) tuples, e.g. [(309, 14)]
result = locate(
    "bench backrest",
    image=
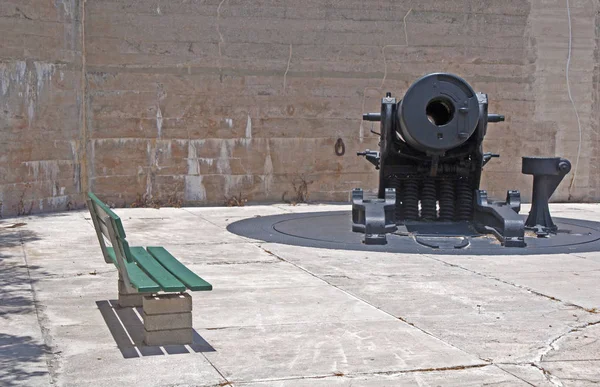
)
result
[(109, 228)]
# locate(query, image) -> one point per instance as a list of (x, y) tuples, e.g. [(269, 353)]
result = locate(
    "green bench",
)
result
[(143, 274)]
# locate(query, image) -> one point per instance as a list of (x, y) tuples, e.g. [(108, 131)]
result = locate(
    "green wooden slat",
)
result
[(112, 255), (138, 278), (185, 275), (126, 249), (109, 212), (156, 271)]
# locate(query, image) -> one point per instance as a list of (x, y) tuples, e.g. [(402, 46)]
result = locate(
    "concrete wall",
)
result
[(40, 104), (200, 101)]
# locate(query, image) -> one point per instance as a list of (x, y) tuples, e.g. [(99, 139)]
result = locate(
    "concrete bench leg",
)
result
[(127, 299), (168, 319)]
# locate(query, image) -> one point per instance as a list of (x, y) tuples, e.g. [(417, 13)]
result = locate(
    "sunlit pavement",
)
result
[(283, 315)]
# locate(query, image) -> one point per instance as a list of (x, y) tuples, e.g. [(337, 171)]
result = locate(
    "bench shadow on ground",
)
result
[(127, 330)]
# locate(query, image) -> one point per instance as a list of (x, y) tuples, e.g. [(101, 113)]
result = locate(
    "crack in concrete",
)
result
[(20, 13), (515, 375), (583, 380), (227, 382), (221, 39), (287, 68), (394, 45), (82, 173), (240, 263), (551, 378), (242, 239), (552, 345), (358, 374), (361, 129), (527, 289), (52, 356), (545, 373), (283, 208), (571, 360), (548, 376), (404, 21), (567, 70)]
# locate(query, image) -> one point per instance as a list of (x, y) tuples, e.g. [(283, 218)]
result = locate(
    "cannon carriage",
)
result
[(430, 161)]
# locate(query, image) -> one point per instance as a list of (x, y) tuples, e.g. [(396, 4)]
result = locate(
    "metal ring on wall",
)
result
[(340, 148)]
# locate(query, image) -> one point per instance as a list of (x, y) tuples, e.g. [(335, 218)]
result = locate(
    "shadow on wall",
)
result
[(21, 357)]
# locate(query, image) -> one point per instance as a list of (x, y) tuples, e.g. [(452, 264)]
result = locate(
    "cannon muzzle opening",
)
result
[(439, 112)]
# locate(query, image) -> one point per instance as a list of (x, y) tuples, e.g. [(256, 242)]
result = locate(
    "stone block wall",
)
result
[(201, 101)]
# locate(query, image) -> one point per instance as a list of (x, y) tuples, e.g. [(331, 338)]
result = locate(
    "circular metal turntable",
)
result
[(332, 230)]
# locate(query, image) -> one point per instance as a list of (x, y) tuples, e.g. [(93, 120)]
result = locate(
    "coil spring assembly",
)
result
[(428, 200), (446, 199), (411, 199), (464, 200)]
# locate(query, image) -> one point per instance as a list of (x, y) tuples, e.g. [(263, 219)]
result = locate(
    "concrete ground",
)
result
[(293, 316)]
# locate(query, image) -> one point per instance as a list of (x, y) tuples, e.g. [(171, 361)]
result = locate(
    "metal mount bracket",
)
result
[(374, 217), (500, 218), (547, 173)]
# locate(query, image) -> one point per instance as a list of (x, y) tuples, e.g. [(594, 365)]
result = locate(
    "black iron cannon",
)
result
[(431, 153)]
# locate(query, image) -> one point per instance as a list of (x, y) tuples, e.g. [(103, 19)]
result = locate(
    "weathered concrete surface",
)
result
[(22, 349), (41, 98), (290, 316), (201, 101)]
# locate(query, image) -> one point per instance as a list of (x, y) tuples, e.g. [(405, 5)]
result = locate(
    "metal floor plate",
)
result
[(332, 230)]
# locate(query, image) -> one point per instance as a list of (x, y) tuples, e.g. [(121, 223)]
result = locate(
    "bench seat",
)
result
[(156, 269), (147, 270), (140, 280), (167, 281), (183, 274)]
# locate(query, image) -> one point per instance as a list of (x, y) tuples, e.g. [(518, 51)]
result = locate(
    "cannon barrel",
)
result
[(438, 112), (430, 147)]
